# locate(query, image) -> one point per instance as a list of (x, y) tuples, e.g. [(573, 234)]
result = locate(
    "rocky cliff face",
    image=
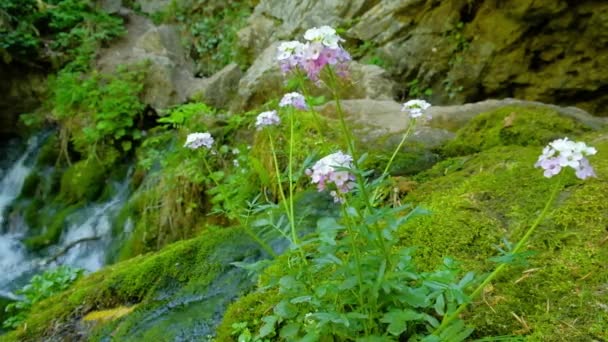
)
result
[(552, 51)]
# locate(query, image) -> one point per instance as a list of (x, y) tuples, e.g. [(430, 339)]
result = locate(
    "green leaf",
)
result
[(397, 320), (440, 305), (268, 327), (415, 297), (290, 331), (285, 310)]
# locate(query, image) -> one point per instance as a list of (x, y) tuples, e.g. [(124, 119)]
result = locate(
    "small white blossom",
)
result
[(269, 118), (416, 108), (562, 153), (196, 140), (295, 100)]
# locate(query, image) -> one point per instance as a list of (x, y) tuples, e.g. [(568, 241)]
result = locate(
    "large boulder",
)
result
[(553, 51), (549, 51), (170, 76), (263, 81)]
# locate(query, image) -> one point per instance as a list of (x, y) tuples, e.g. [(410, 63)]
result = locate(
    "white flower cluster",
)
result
[(322, 48), (325, 35), (197, 140), (267, 119), (562, 153), (295, 100), (324, 173), (416, 108)]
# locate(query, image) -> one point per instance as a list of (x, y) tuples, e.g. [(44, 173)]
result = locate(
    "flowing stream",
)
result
[(84, 242)]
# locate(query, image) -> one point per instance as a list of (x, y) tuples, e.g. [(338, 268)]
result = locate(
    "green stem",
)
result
[(288, 210), (279, 183), (303, 88), (294, 236), (448, 319), (245, 226), (355, 251), (358, 176), (390, 161)]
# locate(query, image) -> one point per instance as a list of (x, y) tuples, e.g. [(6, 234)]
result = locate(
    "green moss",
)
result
[(3, 314), (512, 125), (250, 309), (32, 213), (49, 152), (476, 201), (81, 182), (30, 185), (52, 233), (184, 267)]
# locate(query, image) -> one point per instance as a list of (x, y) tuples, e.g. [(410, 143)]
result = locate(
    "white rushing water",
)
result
[(84, 243), (14, 260)]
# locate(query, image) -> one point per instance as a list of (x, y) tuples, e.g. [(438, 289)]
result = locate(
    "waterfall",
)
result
[(14, 260), (84, 243)]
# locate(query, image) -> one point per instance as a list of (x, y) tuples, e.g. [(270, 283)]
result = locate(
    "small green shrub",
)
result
[(56, 31), (40, 287), (98, 113)]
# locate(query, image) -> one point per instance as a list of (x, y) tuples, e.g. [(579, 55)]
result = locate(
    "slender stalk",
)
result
[(288, 208), (279, 183), (245, 226), (448, 319), (294, 236), (358, 176), (390, 161), (355, 251), (311, 109)]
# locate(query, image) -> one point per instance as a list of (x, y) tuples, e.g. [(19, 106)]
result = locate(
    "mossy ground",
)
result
[(150, 281), (491, 193)]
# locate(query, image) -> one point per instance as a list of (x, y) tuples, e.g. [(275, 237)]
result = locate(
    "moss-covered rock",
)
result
[(50, 233), (478, 200), (512, 125), (193, 276), (83, 181)]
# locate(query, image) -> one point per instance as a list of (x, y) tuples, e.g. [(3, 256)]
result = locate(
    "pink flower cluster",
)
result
[(324, 174), (295, 100), (322, 48), (197, 140), (562, 153)]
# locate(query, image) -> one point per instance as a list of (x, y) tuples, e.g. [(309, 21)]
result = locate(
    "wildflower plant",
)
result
[(352, 279)]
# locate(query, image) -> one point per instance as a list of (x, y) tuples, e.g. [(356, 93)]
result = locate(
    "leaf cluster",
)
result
[(40, 287)]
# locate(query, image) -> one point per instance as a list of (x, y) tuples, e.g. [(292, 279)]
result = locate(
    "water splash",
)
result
[(84, 243), (14, 259)]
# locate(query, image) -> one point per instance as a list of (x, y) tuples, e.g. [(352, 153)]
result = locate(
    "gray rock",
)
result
[(454, 117), (372, 82), (220, 89), (170, 72), (381, 123), (553, 51), (275, 20), (110, 6), (261, 82), (153, 6)]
